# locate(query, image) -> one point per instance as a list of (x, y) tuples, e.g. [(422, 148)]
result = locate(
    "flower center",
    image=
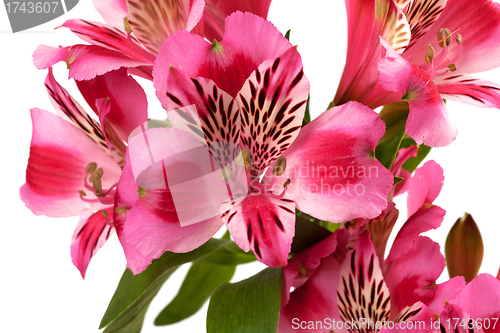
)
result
[(442, 62), (92, 181)]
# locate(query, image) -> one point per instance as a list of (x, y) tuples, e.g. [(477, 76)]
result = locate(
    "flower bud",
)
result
[(464, 248)]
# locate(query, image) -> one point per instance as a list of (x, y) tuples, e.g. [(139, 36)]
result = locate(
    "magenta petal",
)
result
[(481, 299), (428, 121), (239, 53), (424, 186), (92, 231), (112, 11), (264, 225), (59, 155), (46, 56), (128, 103), (333, 173), (216, 12)]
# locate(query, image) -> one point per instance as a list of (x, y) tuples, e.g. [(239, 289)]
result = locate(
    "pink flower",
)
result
[(344, 278), (254, 115), (135, 32), (430, 48), (74, 162)]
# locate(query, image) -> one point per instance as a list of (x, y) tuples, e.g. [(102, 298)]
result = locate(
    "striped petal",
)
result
[(273, 101), (92, 231), (262, 224), (467, 89)]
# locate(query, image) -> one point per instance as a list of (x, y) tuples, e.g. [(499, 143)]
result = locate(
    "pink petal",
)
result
[(46, 56), (92, 231), (381, 228), (466, 89), (428, 121), (112, 11), (111, 38), (333, 173), (128, 103), (412, 278), (403, 155), (359, 79), (68, 108), (216, 12), (424, 186), (273, 101), (126, 196), (153, 21), (239, 53), (481, 299), (59, 155), (421, 15), (262, 224)]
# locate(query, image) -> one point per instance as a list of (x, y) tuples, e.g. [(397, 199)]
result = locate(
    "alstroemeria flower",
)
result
[(239, 93), (337, 280), (74, 162), (135, 32), (449, 40)]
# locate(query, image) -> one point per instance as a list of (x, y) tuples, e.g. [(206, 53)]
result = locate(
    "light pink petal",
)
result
[(46, 56), (128, 104), (239, 53), (110, 38), (478, 22), (126, 196), (59, 155), (92, 231), (112, 11), (216, 12), (153, 21), (412, 278), (481, 299), (262, 224), (424, 186), (422, 221), (428, 121), (334, 175), (467, 89), (367, 21), (68, 108), (272, 102)]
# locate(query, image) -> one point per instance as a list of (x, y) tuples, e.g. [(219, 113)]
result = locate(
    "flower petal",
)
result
[(239, 53), (421, 15), (424, 186), (153, 21), (216, 12), (273, 101), (467, 89), (92, 231), (46, 56), (262, 224), (333, 173), (59, 155), (110, 38), (428, 121)]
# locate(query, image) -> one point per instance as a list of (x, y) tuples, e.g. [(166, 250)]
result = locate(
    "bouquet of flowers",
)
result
[(237, 171)]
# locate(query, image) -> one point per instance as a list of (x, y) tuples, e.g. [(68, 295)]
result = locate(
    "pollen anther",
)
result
[(444, 37), (279, 166)]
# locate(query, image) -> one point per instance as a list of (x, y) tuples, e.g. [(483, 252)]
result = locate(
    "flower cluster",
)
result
[(313, 200)]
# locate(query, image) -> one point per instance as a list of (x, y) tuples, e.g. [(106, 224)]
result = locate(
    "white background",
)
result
[(41, 291)]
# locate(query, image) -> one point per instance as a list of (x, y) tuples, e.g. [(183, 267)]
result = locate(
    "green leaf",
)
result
[(307, 232), (249, 306), (413, 162), (307, 114), (200, 283), (397, 180), (394, 116), (287, 34), (134, 293), (229, 254)]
